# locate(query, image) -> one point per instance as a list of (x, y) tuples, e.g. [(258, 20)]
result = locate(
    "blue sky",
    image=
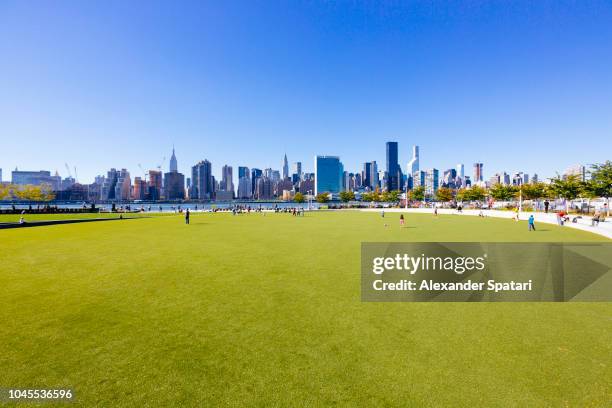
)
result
[(99, 84)]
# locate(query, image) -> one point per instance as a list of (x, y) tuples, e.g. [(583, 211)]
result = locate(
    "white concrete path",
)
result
[(584, 224)]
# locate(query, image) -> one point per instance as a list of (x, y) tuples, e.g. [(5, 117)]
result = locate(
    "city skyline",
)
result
[(102, 84)]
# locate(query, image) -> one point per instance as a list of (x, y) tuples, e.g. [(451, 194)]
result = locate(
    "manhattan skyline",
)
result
[(516, 87)]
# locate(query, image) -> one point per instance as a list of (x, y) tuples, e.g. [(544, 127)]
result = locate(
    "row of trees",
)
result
[(27, 192)]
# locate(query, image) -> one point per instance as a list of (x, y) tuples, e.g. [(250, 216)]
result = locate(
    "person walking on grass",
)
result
[(401, 220), (531, 223), (187, 217)]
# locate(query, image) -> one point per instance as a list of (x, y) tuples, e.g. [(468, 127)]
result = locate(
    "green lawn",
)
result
[(64, 216), (265, 310)]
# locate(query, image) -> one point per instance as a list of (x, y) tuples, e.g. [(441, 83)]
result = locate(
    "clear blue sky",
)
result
[(100, 84)]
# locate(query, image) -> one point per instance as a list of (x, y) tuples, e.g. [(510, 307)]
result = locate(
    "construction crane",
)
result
[(159, 166), (68, 170), (144, 174)]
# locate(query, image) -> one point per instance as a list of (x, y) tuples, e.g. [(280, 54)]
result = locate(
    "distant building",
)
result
[(328, 174), (174, 182), (448, 178), (255, 174), (263, 188), (285, 168), (227, 177), (297, 169), (202, 181), (418, 179), (139, 189), (413, 164), (174, 186), (173, 162), (123, 185), (478, 175), (370, 175), (394, 171), (36, 178), (155, 185), (431, 182)]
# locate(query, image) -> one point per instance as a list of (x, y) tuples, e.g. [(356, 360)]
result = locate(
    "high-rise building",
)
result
[(245, 190), (370, 175), (36, 178), (123, 187), (520, 178), (173, 162), (534, 178), (139, 190), (394, 172), (449, 177), (243, 172), (431, 182), (297, 169), (413, 164), (155, 185), (174, 182), (227, 183), (107, 191), (202, 182), (174, 186), (285, 168), (255, 174), (478, 175), (460, 170), (328, 174), (263, 188)]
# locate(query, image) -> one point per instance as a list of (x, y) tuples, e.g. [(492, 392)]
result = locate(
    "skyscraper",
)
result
[(155, 185), (227, 182), (285, 168), (370, 175), (202, 185), (245, 187), (297, 169), (394, 172), (413, 164), (431, 182), (174, 182), (255, 174), (478, 176), (173, 162), (328, 174)]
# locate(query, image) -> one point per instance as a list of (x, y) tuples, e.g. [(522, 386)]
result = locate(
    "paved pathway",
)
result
[(604, 228)]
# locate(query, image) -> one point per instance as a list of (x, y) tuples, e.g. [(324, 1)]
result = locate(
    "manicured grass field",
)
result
[(265, 310)]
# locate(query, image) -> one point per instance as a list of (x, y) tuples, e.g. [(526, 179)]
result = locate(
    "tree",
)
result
[(533, 191), (299, 198), (5, 191), (417, 193), (474, 193), (444, 194), (322, 198), (390, 196), (601, 177), (567, 188), (502, 192), (346, 196), (46, 193)]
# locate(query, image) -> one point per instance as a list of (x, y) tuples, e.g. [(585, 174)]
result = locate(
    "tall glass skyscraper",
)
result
[(328, 174), (394, 172)]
